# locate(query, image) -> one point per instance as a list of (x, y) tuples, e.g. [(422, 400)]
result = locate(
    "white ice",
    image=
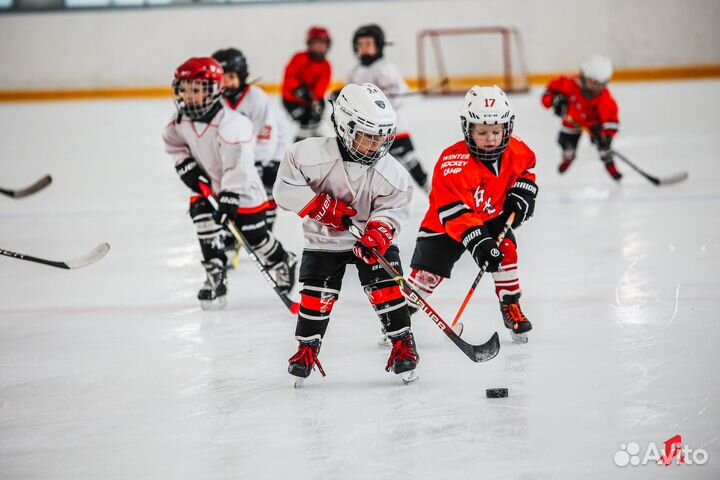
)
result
[(114, 372)]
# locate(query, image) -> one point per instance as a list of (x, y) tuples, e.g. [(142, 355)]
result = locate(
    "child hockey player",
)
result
[(369, 45), (213, 150), (326, 179), (269, 124), (477, 183), (585, 102), (305, 84)]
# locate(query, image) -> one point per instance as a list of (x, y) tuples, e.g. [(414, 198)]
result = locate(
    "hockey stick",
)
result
[(88, 259), (470, 293), (294, 307), (24, 192), (676, 178), (476, 353)]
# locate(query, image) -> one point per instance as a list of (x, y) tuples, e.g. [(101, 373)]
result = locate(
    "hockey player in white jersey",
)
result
[(213, 149), (325, 179), (369, 46), (270, 126)]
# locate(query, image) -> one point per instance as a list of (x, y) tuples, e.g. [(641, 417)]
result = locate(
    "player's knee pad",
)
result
[(568, 141), (424, 281), (201, 213), (509, 251), (269, 250), (317, 299), (390, 305), (507, 281)]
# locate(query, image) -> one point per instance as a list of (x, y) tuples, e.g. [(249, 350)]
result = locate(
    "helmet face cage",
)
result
[(487, 155), (195, 98), (353, 138)]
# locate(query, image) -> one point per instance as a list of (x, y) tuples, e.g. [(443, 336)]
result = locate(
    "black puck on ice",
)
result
[(496, 392)]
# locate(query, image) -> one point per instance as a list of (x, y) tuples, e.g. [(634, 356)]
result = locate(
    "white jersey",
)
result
[(385, 75), (379, 192), (285, 135), (225, 150), (255, 104)]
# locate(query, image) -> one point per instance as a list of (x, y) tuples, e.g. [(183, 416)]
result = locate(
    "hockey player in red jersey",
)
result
[(213, 150), (324, 179), (477, 183), (305, 84), (585, 102)]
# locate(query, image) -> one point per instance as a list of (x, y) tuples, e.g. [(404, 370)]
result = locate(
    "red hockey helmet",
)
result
[(197, 86), (318, 34)]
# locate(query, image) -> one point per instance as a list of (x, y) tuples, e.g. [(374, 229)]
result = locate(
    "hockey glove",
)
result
[(316, 111), (192, 175), (482, 247), (228, 204), (328, 210), (560, 105), (521, 200), (378, 235)]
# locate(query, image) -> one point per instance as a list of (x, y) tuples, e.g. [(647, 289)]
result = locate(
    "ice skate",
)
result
[(284, 273), (613, 171), (212, 294), (567, 160), (404, 357), (303, 362), (514, 319)]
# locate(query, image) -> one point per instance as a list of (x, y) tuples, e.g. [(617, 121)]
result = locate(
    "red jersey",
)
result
[(467, 193), (584, 112), (304, 72)]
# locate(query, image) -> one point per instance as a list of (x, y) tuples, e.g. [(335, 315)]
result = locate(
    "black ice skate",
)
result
[(284, 273), (213, 292), (303, 362), (515, 320), (403, 358)]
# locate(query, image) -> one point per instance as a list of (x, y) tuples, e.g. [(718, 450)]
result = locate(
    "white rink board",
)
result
[(113, 371)]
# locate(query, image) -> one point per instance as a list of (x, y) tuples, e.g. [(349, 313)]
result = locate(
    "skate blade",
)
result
[(218, 304), (384, 342), (458, 329), (409, 377), (519, 337)]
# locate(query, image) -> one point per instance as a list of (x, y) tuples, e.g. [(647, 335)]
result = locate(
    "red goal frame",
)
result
[(512, 79)]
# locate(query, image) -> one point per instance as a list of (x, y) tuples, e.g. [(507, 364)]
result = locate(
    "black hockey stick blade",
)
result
[(476, 353), (88, 259), (676, 178), (29, 190)]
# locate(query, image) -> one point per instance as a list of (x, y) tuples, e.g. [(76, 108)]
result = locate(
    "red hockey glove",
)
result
[(328, 210), (378, 235)]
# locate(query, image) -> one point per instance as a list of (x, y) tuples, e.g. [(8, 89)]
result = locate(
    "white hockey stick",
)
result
[(88, 259)]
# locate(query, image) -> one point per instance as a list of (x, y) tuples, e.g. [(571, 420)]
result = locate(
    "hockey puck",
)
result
[(496, 392)]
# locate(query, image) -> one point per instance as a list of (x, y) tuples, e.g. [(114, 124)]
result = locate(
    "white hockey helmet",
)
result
[(364, 122), (487, 106), (598, 69)]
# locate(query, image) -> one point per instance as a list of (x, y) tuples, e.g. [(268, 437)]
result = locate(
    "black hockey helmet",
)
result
[(233, 60), (373, 31)]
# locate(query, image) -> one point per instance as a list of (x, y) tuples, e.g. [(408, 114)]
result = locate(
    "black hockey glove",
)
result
[(521, 200), (316, 111), (560, 105), (228, 206), (192, 174), (602, 142), (482, 247)]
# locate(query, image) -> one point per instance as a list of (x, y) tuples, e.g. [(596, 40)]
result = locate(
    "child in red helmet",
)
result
[(306, 81)]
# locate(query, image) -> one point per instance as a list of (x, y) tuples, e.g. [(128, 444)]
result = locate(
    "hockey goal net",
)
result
[(452, 60)]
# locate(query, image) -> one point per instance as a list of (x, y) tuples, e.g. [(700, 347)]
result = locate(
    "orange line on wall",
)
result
[(621, 75)]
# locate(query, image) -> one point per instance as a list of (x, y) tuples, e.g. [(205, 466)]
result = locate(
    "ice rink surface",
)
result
[(114, 372)]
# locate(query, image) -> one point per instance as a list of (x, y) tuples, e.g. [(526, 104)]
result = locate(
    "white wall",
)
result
[(141, 48)]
